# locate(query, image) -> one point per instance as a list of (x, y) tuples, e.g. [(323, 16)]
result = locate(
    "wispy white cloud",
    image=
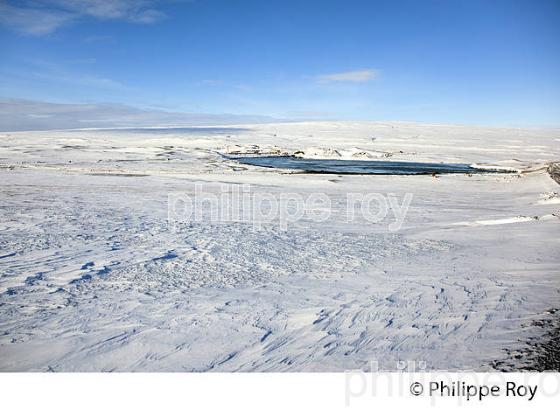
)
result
[(136, 11), (55, 73), (32, 21), (243, 87), (358, 76), (73, 73), (34, 18)]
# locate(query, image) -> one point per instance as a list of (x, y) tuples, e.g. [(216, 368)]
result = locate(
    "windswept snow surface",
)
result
[(93, 278)]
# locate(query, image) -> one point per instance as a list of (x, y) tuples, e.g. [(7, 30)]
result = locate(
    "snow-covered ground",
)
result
[(93, 278)]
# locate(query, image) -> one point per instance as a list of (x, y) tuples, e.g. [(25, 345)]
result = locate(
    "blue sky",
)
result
[(476, 62)]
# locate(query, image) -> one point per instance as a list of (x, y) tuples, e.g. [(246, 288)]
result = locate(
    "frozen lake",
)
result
[(341, 166)]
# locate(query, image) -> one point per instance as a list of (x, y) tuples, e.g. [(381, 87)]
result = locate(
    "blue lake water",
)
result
[(340, 166)]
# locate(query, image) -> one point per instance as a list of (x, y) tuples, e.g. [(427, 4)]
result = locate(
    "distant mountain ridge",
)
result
[(28, 115)]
